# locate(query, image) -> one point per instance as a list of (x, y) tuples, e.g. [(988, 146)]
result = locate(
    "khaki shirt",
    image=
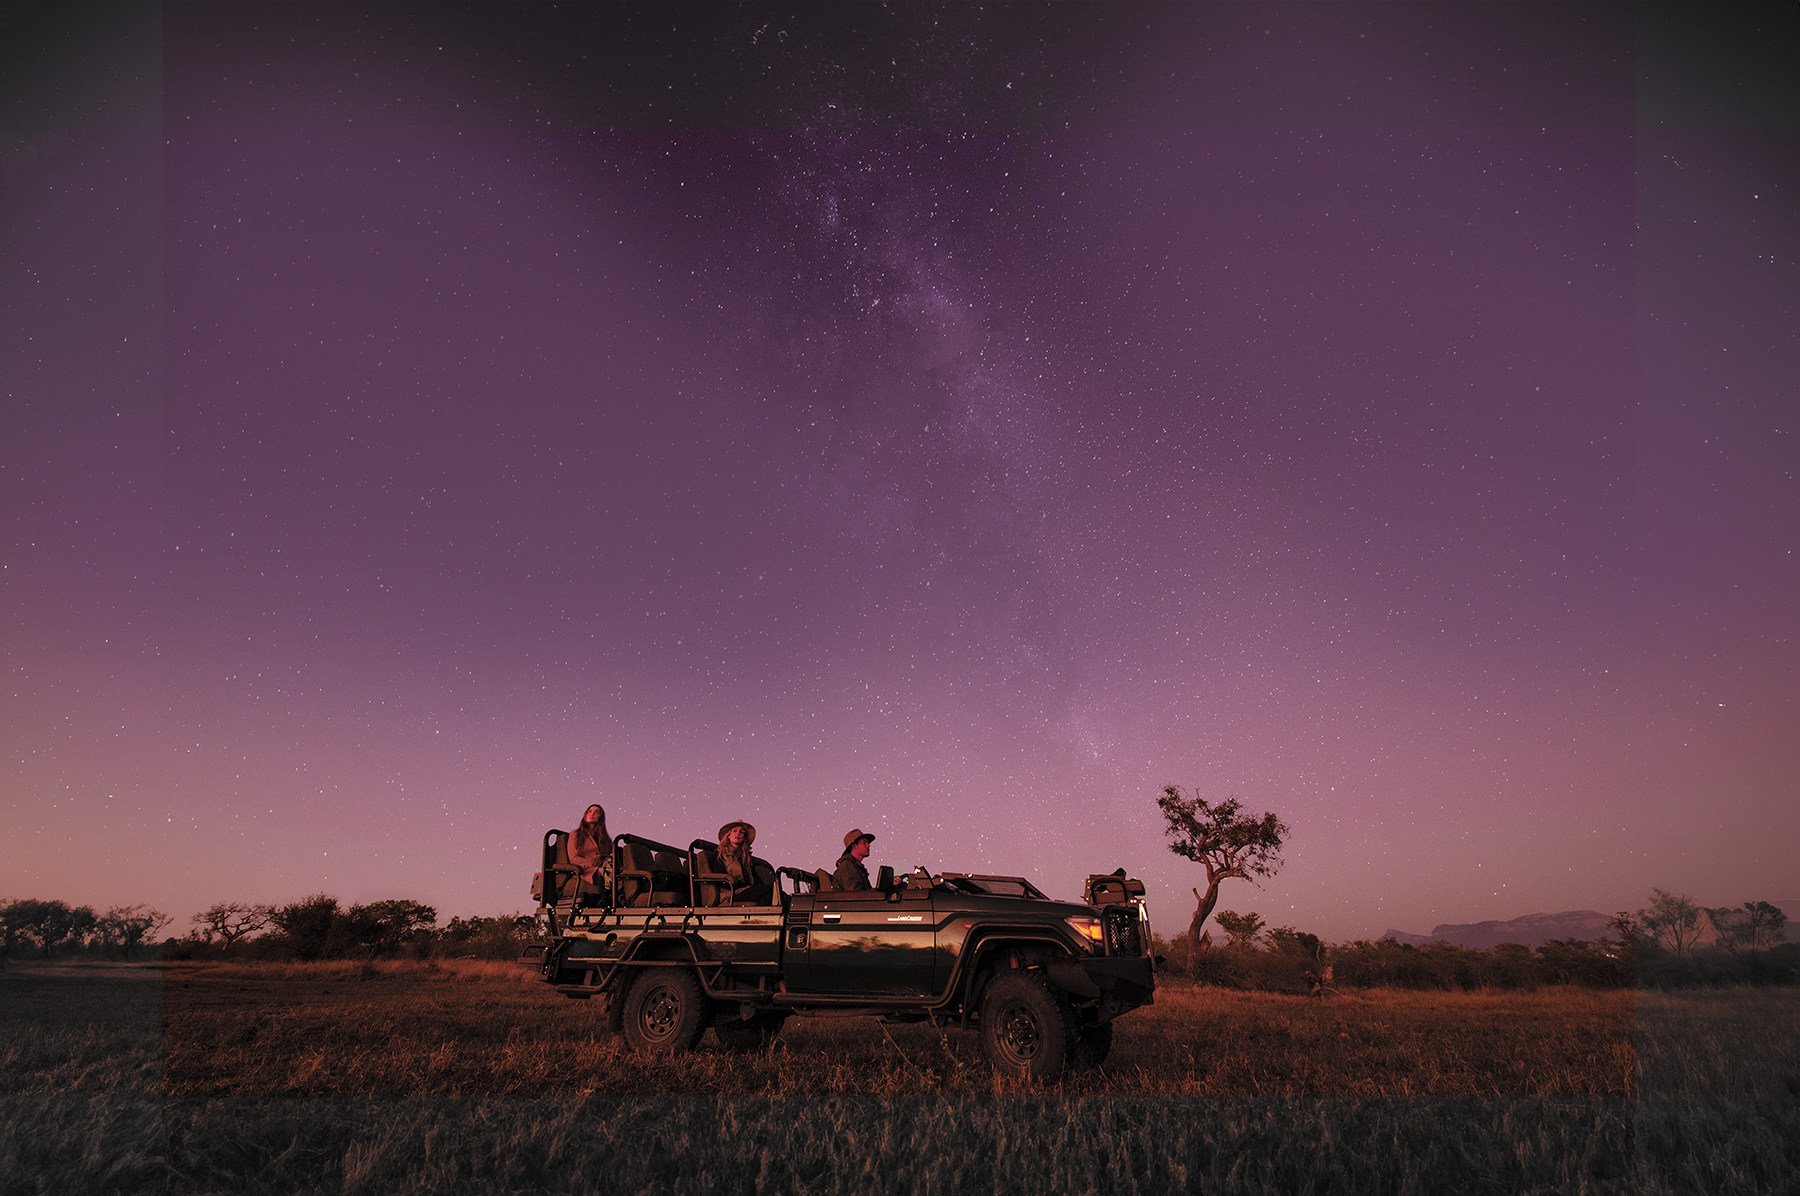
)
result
[(850, 874)]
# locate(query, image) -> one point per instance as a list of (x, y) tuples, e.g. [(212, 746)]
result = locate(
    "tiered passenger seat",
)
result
[(564, 879), (650, 878), (712, 884)]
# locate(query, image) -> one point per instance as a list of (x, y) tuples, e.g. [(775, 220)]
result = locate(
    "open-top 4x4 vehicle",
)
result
[(670, 951)]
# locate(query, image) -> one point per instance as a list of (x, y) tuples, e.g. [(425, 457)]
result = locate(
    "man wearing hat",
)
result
[(850, 873)]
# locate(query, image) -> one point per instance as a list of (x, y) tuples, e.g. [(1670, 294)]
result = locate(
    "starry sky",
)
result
[(951, 421)]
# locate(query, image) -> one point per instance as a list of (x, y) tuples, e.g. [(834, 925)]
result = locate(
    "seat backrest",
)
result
[(671, 877), (712, 884), (825, 881), (636, 874), (761, 889), (561, 882)]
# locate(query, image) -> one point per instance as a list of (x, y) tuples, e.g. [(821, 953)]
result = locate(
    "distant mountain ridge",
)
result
[(1532, 930)]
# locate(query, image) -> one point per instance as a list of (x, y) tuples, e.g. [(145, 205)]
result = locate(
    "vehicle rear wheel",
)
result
[(665, 1012), (1092, 1045), (1026, 1026), (752, 1034)]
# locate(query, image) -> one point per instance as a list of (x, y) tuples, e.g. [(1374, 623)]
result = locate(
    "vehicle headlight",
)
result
[(1088, 930)]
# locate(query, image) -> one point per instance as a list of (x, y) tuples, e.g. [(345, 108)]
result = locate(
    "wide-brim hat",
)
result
[(749, 831), (851, 838)]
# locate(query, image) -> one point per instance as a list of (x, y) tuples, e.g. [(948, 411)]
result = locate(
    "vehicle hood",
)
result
[(1024, 906)]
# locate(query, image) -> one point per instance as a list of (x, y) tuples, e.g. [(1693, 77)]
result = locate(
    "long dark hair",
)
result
[(601, 837)]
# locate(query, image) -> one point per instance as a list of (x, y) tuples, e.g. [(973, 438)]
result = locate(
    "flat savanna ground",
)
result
[(473, 1077)]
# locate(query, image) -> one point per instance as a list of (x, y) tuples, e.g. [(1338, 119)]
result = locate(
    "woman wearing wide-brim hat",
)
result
[(735, 840)]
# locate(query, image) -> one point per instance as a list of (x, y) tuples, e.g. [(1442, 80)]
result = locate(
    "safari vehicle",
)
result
[(670, 953)]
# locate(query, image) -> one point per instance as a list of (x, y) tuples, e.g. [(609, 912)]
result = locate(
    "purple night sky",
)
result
[(955, 422)]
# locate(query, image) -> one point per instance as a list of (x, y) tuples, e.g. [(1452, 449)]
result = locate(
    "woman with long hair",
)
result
[(735, 841), (591, 849)]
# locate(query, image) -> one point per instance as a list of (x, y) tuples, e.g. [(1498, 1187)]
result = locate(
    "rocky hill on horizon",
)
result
[(1534, 930), (1531, 930)]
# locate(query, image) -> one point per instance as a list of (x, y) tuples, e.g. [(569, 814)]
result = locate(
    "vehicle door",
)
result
[(869, 943)]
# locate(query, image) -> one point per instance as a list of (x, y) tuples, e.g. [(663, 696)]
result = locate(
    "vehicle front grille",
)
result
[(1122, 936)]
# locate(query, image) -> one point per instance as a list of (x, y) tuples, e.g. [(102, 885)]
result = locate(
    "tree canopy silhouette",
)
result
[(1243, 928), (1224, 839), (1673, 919), (230, 921), (1753, 926), (45, 925)]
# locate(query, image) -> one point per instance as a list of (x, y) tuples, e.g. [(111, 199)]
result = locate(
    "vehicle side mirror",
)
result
[(884, 878)]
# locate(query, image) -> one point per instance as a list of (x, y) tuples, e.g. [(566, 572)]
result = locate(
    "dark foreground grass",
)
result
[(335, 1077)]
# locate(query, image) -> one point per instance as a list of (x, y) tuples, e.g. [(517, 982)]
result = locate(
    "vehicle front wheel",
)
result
[(665, 1012), (1026, 1026)]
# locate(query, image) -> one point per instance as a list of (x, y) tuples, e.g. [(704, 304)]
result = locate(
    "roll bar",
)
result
[(800, 881), (804, 881)]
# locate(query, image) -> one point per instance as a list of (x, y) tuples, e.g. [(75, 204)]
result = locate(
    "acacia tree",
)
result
[(45, 925), (1753, 926), (1673, 919), (1627, 928), (383, 927), (1243, 928), (12, 927), (232, 920), (1765, 925), (127, 926), (1285, 940), (310, 926), (1228, 842)]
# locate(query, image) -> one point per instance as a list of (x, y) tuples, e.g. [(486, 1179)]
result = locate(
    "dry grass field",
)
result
[(471, 1077)]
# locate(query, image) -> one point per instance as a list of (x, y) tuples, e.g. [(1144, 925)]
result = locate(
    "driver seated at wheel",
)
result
[(850, 874)]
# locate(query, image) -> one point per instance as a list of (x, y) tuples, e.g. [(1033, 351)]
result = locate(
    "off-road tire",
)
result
[(665, 1012), (737, 1034), (1092, 1045), (1027, 1028)]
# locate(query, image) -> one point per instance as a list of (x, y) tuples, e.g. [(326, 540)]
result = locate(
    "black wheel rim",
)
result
[(660, 1012), (1018, 1033)]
